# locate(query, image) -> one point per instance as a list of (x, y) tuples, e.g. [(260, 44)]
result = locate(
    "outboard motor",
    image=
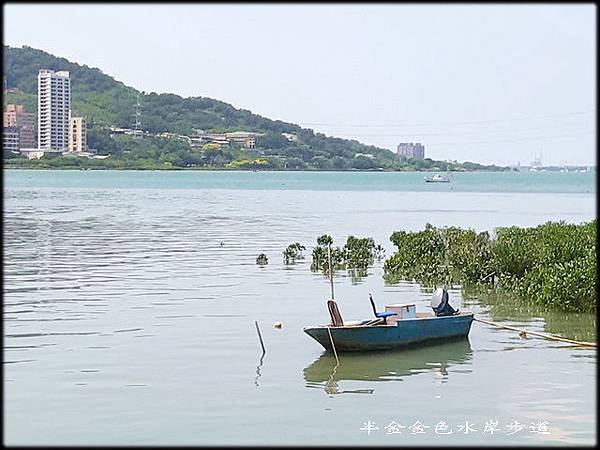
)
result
[(440, 305)]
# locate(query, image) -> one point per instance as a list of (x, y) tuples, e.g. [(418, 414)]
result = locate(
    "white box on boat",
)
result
[(404, 311)]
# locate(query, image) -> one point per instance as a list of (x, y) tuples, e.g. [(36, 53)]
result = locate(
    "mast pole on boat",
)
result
[(330, 269)]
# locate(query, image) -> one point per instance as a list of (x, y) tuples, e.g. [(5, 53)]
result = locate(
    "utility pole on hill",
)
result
[(137, 125)]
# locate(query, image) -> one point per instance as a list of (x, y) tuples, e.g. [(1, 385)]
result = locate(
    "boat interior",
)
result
[(394, 313)]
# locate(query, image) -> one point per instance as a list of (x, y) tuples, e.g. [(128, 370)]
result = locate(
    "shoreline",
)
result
[(225, 169)]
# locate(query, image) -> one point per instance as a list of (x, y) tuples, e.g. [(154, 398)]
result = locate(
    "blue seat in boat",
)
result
[(382, 315)]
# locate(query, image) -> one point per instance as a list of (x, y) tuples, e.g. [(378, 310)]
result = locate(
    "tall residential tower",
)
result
[(54, 104)]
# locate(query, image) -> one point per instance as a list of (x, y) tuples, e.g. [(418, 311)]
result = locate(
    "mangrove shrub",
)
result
[(357, 253), (553, 265), (293, 252)]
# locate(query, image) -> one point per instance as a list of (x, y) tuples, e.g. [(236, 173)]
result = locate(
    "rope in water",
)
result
[(545, 336)]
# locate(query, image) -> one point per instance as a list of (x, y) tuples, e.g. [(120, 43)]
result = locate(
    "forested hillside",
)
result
[(106, 102)]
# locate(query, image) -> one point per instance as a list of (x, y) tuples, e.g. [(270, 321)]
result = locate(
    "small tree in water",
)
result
[(293, 252), (357, 253), (319, 255), (262, 259)]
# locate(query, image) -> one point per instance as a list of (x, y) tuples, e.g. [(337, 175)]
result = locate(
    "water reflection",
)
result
[(502, 307), (258, 374), (386, 365), (358, 275)]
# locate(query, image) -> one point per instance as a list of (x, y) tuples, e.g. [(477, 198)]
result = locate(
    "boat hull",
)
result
[(405, 333)]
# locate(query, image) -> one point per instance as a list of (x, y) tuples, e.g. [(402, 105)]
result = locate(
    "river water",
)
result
[(130, 300)]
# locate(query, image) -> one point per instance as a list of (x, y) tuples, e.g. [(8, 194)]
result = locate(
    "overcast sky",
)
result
[(485, 83)]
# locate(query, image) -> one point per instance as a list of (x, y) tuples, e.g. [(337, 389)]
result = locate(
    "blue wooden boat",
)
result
[(400, 326)]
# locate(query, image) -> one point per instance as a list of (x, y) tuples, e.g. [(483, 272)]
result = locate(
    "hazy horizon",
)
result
[(485, 83)]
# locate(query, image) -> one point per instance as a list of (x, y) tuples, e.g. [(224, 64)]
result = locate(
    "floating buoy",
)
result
[(277, 325)]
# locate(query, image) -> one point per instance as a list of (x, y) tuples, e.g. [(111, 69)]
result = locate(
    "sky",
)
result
[(486, 83)]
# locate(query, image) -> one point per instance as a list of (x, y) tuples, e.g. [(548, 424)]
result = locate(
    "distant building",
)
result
[(215, 138), (246, 138), (410, 150), (11, 139), (364, 155), (54, 104), (77, 135), (15, 116), (114, 131)]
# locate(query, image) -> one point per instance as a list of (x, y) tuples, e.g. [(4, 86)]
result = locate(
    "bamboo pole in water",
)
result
[(333, 345), (330, 269), (545, 336), (332, 298), (262, 344)]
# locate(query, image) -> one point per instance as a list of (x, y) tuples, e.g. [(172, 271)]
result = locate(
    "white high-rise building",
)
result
[(54, 105)]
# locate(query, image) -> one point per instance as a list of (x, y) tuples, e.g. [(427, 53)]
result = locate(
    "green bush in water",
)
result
[(357, 253), (469, 255), (320, 259), (262, 259), (293, 252), (420, 255), (553, 265)]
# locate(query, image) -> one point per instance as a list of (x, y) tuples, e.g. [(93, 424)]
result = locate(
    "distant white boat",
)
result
[(438, 178)]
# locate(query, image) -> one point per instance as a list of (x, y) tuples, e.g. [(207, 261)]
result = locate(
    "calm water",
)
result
[(127, 322)]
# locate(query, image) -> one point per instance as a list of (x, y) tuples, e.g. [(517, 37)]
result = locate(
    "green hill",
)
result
[(106, 102)]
